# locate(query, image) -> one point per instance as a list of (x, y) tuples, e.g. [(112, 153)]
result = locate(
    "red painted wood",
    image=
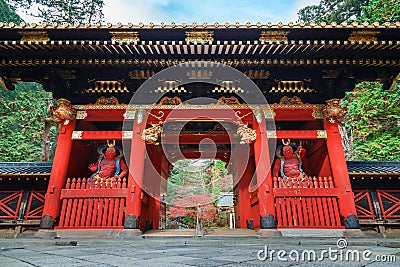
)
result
[(197, 138), (136, 172), (35, 196), (101, 135), (294, 115), (92, 206), (394, 202), (297, 134), (263, 170), (7, 201), (362, 212), (58, 174)]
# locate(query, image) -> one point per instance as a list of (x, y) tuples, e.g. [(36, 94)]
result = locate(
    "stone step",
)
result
[(207, 232)]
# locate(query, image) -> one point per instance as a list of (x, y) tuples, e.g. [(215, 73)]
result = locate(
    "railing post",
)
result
[(58, 175), (341, 176), (135, 178)]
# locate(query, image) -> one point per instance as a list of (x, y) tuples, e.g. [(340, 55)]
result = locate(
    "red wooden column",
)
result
[(340, 175), (264, 178), (241, 176), (58, 176), (135, 178)]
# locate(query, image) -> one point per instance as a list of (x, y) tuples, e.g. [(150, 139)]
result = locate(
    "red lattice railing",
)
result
[(308, 203), (10, 202), (35, 204), (96, 206), (389, 202), (362, 199)]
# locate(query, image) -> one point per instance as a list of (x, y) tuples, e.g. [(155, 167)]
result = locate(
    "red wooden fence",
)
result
[(35, 204), (362, 199), (96, 206), (10, 202), (389, 201), (308, 203)]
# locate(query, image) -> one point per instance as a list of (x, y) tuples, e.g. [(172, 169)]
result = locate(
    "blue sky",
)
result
[(200, 11)]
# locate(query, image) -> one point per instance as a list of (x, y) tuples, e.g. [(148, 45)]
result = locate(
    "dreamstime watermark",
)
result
[(338, 253)]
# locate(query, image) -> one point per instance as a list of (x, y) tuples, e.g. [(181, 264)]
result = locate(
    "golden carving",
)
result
[(127, 134), (63, 113), (34, 36), (107, 101), (170, 101), (317, 114), (363, 36), (125, 37), (77, 134), (274, 36), (321, 134), (228, 100), (257, 74), (199, 74), (269, 113), (81, 114), (291, 101), (292, 87), (271, 134), (141, 74), (129, 114), (246, 134), (107, 87), (152, 135), (199, 37), (161, 114), (334, 112)]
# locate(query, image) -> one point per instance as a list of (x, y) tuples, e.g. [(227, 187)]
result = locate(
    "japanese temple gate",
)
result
[(293, 65)]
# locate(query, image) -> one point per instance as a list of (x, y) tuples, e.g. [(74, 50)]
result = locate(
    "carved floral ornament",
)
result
[(152, 135), (247, 135), (334, 112), (63, 113)]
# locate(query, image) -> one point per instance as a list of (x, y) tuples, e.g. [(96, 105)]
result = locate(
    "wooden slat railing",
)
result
[(308, 203), (92, 206)]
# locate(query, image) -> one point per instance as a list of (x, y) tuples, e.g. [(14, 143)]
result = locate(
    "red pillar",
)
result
[(340, 175), (58, 176), (264, 177), (135, 178)]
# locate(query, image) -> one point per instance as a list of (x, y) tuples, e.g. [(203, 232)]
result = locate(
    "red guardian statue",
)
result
[(289, 161), (110, 165)]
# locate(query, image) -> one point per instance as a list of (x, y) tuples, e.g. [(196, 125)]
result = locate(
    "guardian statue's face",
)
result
[(287, 152), (111, 153)]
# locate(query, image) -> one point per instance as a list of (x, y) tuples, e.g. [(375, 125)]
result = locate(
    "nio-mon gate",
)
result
[(293, 65)]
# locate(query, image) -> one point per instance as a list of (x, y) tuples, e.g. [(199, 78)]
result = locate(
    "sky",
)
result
[(200, 11)]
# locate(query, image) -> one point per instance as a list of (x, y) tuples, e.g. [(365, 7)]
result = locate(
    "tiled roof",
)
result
[(373, 167), (25, 168)]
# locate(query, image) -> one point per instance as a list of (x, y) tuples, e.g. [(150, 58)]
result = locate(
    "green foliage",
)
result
[(71, 11), (333, 11), (351, 10), (22, 114), (8, 14), (381, 11), (373, 122)]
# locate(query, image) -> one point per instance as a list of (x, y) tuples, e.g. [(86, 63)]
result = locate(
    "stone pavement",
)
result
[(205, 251)]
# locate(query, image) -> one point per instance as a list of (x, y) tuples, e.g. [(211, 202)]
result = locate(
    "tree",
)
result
[(373, 123), (381, 11), (22, 115), (70, 11), (8, 14), (333, 11)]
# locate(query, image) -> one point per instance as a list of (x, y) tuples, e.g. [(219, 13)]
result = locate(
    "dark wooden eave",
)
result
[(333, 57)]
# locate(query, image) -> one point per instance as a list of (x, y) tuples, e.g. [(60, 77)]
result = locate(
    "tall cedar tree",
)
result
[(70, 11), (8, 14), (351, 10)]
